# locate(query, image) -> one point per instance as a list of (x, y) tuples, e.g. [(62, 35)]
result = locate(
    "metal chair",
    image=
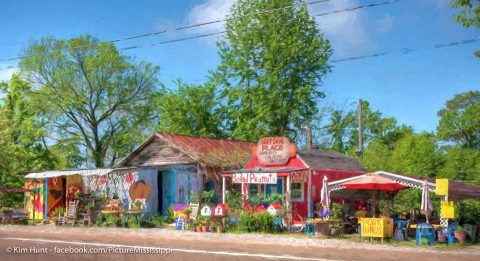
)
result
[(424, 230)]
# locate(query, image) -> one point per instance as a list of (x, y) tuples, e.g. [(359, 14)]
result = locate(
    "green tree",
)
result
[(376, 156), (272, 64), (469, 13), (190, 110), (461, 164), (98, 96), (460, 120), (416, 154)]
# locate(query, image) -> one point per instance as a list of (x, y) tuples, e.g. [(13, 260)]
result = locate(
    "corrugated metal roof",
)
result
[(225, 153)]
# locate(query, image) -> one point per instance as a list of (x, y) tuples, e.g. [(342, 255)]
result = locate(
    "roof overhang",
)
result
[(261, 170), (63, 173)]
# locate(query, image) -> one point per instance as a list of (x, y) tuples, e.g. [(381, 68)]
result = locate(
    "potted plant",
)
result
[(214, 227), (186, 213), (138, 205), (89, 209), (205, 225), (198, 225), (460, 234)]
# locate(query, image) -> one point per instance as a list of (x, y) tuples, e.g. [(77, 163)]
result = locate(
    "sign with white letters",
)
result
[(256, 178)]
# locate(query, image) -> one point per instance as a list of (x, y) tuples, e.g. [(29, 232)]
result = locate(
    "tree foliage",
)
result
[(190, 110), (460, 120), (272, 64), (469, 14), (99, 97)]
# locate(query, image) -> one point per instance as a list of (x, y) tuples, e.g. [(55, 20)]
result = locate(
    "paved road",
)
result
[(23, 244)]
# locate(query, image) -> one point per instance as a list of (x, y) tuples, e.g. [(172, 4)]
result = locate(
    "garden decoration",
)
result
[(220, 210), (140, 190), (274, 209), (206, 211)]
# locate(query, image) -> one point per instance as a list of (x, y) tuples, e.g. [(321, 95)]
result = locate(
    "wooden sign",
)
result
[(258, 178), (299, 177), (372, 227), (206, 211), (273, 150), (441, 187), (447, 209)]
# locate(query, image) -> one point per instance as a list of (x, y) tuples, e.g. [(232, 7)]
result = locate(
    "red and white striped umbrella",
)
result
[(426, 206), (325, 194)]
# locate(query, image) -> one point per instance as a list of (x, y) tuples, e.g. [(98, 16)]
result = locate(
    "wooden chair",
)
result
[(71, 214), (61, 218)]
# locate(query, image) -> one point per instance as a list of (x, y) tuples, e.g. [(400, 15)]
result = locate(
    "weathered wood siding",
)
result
[(158, 153)]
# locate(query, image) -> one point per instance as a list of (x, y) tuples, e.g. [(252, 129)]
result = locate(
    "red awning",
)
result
[(373, 182)]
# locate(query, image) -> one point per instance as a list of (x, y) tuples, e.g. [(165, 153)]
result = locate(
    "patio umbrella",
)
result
[(325, 198), (375, 183), (426, 206)]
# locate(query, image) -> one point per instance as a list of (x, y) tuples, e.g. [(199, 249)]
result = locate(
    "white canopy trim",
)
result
[(404, 180), (60, 173)]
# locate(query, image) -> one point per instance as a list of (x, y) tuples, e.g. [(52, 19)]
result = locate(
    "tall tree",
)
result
[(190, 110), (460, 120), (272, 64), (97, 95), (469, 14)]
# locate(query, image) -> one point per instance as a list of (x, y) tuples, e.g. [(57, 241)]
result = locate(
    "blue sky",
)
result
[(410, 87)]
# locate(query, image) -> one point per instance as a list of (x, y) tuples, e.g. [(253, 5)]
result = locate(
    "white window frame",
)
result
[(302, 197), (283, 183)]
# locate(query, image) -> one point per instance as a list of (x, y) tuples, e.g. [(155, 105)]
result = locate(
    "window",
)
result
[(253, 189), (297, 191)]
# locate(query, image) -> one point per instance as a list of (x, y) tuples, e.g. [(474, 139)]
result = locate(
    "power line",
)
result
[(175, 29)]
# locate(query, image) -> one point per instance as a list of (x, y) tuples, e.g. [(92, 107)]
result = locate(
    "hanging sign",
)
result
[(441, 187), (274, 150), (258, 178), (206, 211), (447, 209), (299, 177)]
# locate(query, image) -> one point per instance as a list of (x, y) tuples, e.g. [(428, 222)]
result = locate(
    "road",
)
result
[(21, 243)]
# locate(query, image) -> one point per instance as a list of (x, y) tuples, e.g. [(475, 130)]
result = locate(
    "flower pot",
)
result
[(205, 228), (186, 216), (199, 228), (460, 236), (219, 230)]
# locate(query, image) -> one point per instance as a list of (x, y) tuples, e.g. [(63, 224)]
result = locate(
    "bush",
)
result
[(468, 212), (256, 222)]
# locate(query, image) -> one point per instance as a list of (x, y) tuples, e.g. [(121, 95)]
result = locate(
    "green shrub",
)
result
[(255, 222)]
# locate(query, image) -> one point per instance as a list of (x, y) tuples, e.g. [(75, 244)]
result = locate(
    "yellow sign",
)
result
[(441, 187), (447, 209), (372, 227)]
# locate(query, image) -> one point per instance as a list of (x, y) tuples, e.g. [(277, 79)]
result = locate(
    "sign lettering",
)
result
[(372, 227), (273, 150), (256, 178)]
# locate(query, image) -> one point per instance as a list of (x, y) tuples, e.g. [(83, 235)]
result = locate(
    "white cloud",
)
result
[(6, 73), (384, 24), (347, 31), (211, 10)]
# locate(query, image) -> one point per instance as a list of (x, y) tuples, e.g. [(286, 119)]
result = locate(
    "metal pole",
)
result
[(288, 206), (360, 128), (309, 193), (223, 189)]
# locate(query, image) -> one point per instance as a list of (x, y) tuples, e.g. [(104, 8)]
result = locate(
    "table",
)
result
[(435, 226), (111, 212), (135, 214)]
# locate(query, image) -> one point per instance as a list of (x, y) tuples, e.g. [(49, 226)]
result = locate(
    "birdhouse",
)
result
[(274, 209), (260, 208), (206, 211), (220, 210), (248, 208)]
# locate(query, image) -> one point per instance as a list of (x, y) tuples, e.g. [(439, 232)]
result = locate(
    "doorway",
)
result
[(160, 191), (274, 188)]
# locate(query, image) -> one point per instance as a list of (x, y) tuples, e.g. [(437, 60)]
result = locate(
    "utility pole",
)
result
[(360, 129), (309, 137)]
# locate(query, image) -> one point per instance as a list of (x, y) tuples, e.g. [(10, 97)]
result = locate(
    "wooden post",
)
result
[(288, 206), (223, 189), (45, 200), (309, 193), (360, 128)]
